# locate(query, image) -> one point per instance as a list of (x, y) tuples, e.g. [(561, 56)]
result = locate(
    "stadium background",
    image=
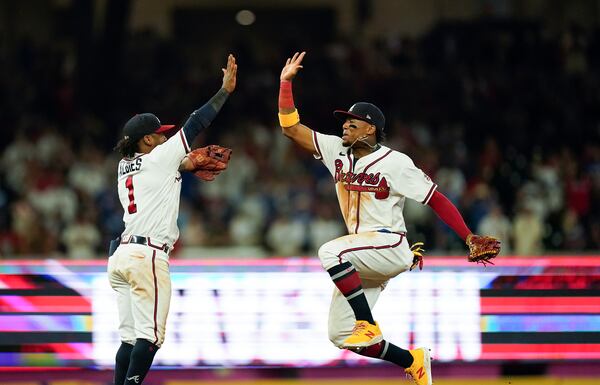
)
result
[(496, 100)]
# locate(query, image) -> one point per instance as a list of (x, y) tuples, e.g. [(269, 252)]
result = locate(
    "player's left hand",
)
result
[(208, 162), (230, 74), (417, 250), (292, 66), (482, 248)]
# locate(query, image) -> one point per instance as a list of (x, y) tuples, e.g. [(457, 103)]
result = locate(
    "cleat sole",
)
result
[(374, 341)]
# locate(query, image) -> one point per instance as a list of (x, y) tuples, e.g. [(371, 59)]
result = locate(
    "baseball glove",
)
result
[(207, 175), (417, 251), (482, 248), (209, 161)]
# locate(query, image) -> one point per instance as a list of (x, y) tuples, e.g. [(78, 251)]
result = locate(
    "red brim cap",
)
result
[(165, 129)]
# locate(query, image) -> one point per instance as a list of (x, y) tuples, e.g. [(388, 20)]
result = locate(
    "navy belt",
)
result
[(146, 241), (391, 232)]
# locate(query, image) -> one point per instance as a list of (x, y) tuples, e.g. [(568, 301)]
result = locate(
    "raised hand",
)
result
[(292, 66), (229, 74)]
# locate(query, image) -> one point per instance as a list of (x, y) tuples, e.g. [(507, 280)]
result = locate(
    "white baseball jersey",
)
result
[(371, 190), (149, 188)]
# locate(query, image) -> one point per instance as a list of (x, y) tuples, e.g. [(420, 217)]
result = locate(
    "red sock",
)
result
[(346, 279)]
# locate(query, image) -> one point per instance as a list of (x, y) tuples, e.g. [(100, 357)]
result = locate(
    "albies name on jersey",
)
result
[(127, 167)]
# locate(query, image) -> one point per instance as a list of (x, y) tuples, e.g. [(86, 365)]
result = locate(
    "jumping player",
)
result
[(149, 185), (372, 182)]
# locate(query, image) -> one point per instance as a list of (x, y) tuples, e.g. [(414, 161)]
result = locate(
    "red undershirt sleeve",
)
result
[(449, 214)]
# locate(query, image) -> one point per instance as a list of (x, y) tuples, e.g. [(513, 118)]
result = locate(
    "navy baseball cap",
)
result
[(145, 124), (367, 112)]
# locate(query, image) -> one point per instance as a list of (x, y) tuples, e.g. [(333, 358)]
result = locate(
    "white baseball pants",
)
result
[(140, 276), (377, 257)]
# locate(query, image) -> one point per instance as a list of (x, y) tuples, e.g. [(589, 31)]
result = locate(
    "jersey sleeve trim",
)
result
[(186, 146), (317, 148), (429, 194)]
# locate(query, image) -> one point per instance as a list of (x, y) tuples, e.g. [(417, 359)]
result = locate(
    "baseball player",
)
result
[(149, 185), (372, 182)]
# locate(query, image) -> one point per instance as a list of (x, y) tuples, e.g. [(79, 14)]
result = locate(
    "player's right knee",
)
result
[(328, 257)]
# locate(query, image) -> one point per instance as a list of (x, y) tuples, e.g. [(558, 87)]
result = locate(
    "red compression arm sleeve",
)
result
[(286, 98), (449, 214)]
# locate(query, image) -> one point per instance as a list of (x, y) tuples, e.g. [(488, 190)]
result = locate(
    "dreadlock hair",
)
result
[(126, 147), (379, 135)]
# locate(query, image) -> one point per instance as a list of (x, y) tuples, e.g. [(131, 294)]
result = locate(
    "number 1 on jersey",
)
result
[(132, 208)]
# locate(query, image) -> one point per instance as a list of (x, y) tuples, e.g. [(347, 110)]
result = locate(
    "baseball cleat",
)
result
[(364, 334), (420, 370)]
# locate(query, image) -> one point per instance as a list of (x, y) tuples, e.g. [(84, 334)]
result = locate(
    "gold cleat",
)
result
[(420, 370), (364, 334)]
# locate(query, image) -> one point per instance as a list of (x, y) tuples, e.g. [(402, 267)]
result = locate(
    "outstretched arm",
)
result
[(203, 116), (288, 114), (482, 249), (449, 214)]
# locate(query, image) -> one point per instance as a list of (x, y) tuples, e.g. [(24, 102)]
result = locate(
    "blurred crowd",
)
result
[(502, 115)]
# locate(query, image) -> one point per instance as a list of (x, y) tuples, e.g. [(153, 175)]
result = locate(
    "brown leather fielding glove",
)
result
[(482, 248), (417, 251), (207, 175), (209, 161)]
